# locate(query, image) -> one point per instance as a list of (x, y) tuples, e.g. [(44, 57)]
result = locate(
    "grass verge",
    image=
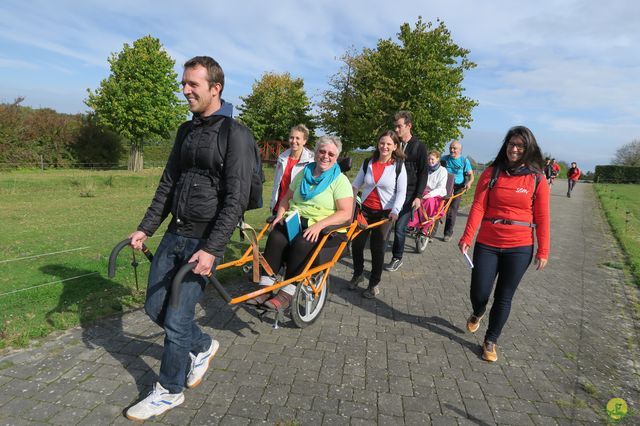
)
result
[(621, 204)]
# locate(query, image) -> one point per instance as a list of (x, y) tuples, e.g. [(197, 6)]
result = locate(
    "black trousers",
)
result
[(278, 251), (509, 266), (376, 245), (452, 213)]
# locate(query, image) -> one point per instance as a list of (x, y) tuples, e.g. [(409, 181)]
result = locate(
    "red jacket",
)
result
[(573, 173), (510, 198)]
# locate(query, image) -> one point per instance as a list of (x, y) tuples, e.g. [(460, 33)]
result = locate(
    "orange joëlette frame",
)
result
[(352, 231), (445, 203)]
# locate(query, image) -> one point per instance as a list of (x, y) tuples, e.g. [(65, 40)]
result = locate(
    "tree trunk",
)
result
[(136, 160)]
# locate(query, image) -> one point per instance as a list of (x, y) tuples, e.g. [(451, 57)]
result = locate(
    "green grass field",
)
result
[(621, 203), (57, 230)]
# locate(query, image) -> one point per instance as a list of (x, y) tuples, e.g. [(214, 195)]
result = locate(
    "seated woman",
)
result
[(434, 191), (323, 197), (383, 193), (290, 163)]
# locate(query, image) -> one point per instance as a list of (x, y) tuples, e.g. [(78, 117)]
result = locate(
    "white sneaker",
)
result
[(158, 401), (200, 364)]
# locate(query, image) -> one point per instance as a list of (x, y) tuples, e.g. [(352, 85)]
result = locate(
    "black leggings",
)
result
[(278, 251), (376, 244), (509, 264)]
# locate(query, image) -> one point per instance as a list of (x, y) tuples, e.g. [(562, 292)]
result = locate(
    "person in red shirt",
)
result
[(383, 182), (509, 206), (290, 163), (573, 174)]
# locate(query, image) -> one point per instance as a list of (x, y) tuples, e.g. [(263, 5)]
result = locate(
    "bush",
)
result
[(617, 174), (97, 145)]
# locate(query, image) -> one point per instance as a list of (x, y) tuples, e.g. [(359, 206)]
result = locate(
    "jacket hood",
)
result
[(226, 110)]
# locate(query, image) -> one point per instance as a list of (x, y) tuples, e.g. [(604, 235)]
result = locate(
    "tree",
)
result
[(277, 103), (139, 98), (628, 154), (422, 73), (97, 145)]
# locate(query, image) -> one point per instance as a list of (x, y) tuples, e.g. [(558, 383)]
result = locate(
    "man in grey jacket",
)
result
[(206, 189)]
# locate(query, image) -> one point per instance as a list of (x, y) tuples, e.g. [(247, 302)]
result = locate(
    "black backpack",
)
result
[(257, 178)]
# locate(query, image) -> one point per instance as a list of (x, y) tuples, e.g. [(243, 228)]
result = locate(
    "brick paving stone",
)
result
[(513, 418), (390, 403), (68, 416), (357, 409), (309, 418), (325, 405), (330, 420), (231, 420)]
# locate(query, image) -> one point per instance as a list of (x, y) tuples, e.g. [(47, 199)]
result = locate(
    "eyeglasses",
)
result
[(518, 146), (325, 152)]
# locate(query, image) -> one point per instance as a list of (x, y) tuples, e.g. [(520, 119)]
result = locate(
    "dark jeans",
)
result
[(509, 265), (400, 230), (278, 251), (182, 335), (571, 184), (376, 245), (452, 213)]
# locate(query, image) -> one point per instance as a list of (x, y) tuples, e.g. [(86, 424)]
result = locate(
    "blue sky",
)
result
[(569, 70)]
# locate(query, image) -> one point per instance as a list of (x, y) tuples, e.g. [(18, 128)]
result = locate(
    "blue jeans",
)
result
[(509, 265), (400, 232), (182, 335)]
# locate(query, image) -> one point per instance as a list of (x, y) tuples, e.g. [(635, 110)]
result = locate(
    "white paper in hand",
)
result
[(468, 259)]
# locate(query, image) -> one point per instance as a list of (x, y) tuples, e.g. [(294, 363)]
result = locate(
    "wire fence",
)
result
[(9, 166)]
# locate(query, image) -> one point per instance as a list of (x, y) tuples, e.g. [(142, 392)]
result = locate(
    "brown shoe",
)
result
[(489, 352), (473, 323)]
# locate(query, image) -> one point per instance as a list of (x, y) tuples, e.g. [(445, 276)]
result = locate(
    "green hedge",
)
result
[(617, 174)]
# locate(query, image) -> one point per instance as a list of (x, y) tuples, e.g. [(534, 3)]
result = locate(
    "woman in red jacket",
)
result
[(510, 204)]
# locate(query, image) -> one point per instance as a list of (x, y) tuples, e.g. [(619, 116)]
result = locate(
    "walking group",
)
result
[(206, 190)]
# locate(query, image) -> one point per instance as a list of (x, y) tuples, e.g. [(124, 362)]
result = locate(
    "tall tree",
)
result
[(628, 154), (422, 72), (139, 100), (276, 103)]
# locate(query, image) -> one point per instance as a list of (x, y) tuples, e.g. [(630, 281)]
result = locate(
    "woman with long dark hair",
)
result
[(511, 203), (383, 181)]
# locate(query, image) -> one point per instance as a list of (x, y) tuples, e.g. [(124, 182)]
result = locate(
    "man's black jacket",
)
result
[(205, 190), (416, 165)]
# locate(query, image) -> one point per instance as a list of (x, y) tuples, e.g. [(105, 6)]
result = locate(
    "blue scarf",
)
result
[(433, 168), (321, 182)]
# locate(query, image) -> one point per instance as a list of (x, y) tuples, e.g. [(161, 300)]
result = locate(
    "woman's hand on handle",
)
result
[(137, 239), (540, 263), (205, 262), (393, 217), (463, 247)]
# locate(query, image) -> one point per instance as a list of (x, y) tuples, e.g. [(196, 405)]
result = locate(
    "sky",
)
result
[(568, 70)]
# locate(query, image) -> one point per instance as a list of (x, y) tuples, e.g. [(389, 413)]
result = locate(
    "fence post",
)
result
[(42, 163)]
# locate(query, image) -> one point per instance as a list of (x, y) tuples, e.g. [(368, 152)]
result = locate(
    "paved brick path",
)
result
[(569, 346)]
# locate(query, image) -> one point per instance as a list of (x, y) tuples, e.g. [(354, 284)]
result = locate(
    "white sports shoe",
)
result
[(158, 401), (200, 364)]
